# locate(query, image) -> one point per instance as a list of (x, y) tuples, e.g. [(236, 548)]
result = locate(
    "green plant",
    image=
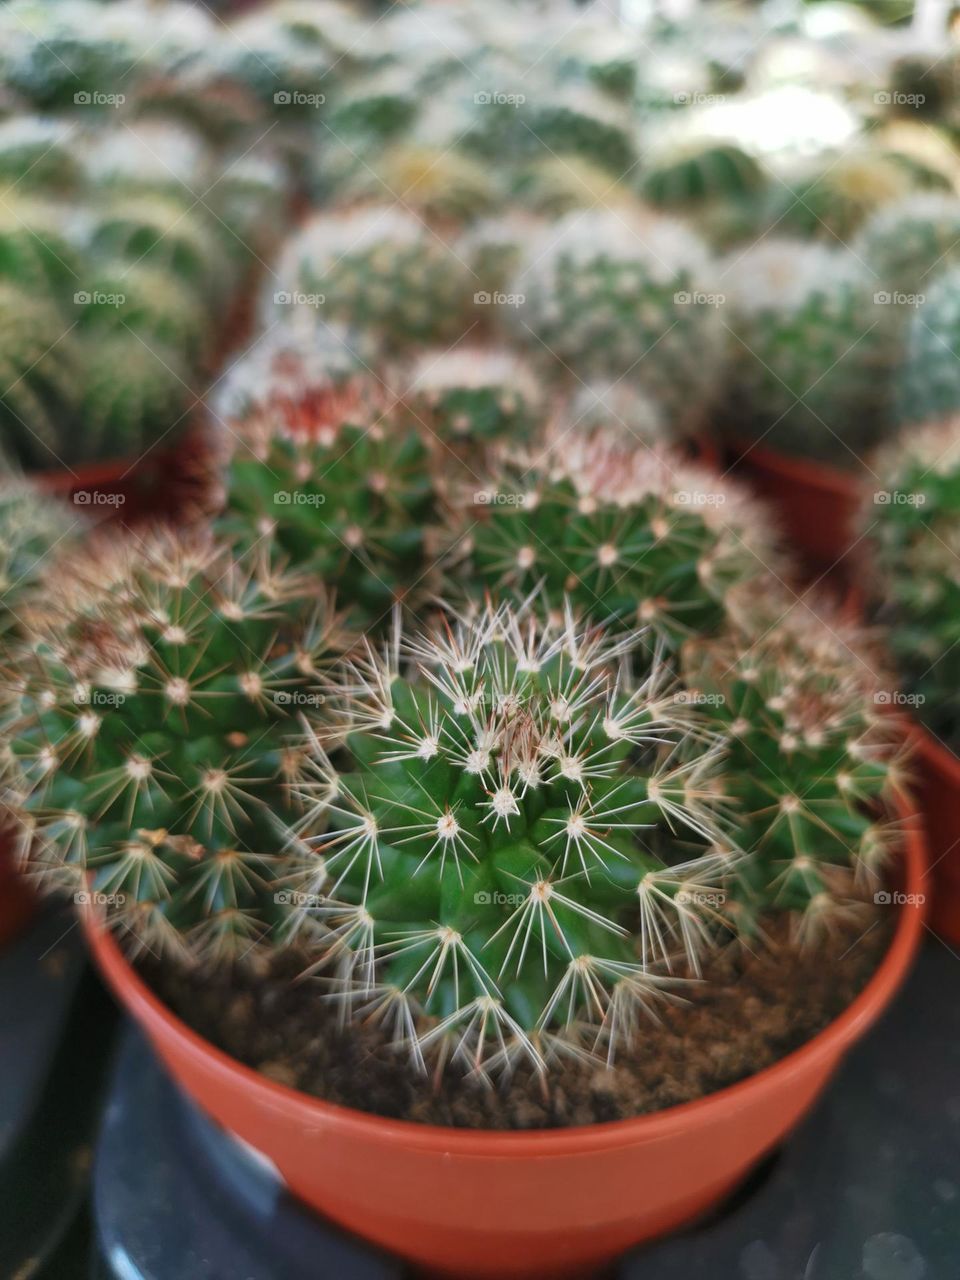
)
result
[(134, 395), (145, 299), (475, 395), (687, 176), (36, 251), (811, 352), (927, 385), (911, 520), (150, 727), (39, 378), (440, 184), (625, 532), (37, 154), (617, 293), (906, 243), (33, 528), (325, 469), (381, 269)]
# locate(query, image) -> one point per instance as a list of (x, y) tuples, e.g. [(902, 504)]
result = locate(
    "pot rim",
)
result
[(315, 1113), (809, 471)]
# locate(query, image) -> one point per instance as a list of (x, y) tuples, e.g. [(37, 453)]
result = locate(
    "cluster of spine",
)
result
[(912, 523), (621, 530), (149, 727), (33, 529), (331, 472), (811, 352)]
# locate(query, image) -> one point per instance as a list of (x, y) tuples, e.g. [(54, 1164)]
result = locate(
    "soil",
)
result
[(752, 1008)]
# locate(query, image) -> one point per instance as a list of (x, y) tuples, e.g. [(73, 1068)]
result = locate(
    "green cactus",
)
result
[(810, 367), (36, 251), (39, 379), (380, 269), (908, 242), (326, 470), (927, 385), (150, 732), (619, 293), (517, 840), (625, 532), (702, 171), (33, 528), (38, 155), (160, 308), (135, 395), (911, 520), (474, 396), (436, 183), (376, 108)]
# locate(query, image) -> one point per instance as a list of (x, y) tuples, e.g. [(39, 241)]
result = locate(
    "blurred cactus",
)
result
[(34, 529), (908, 242), (927, 383), (39, 379)]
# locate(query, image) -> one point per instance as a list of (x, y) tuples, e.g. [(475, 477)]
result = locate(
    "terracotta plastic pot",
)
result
[(544, 1203), (816, 504), (938, 788)]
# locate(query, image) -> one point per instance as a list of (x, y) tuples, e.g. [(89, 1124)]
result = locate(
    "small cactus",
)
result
[(616, 293), (927, 384), (908, 242), (149, 730), (379, 269), (623, 531), (810, 364), (911, 519)]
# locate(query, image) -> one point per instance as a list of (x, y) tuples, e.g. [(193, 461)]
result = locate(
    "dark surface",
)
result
[(56, 1027), (867, 1189)]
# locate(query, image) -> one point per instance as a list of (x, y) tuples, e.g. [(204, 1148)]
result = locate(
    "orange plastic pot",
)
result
[(550, 1203), (816, 504), (938, 789)]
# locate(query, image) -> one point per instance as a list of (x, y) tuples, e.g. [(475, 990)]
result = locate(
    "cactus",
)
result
[(617, 293), (436, 183), (135, 396), (148, 156), (516, 830), (377, 107), (626, 532), (323, 467), (159, 308), (37, 154), (380, 269), (927, 385), (149, 728), (39, 378), (908, 242), (554, 185), (911, 520), (686, 177), (810, 364), (33, 528), (474, 395), (36, 251)]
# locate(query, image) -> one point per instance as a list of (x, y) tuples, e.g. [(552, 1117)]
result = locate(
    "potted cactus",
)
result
[(911, 523), (500, 843)]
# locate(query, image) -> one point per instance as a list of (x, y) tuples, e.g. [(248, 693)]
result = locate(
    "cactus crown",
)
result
[(148, 730), (518, 829)]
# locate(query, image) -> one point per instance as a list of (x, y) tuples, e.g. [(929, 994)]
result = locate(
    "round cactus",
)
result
[(474, 396), (912, 521), (927, 381), (150, 733), (435, 183), (134, 394), (622, 531), (518, 835), (38, 154), (377, 107), (322, 467), (39, 379), (159, 308), (906, 243), (379, 269), (36, 251), (33, 529), (685, 177), (613, 293), (812, 348)]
